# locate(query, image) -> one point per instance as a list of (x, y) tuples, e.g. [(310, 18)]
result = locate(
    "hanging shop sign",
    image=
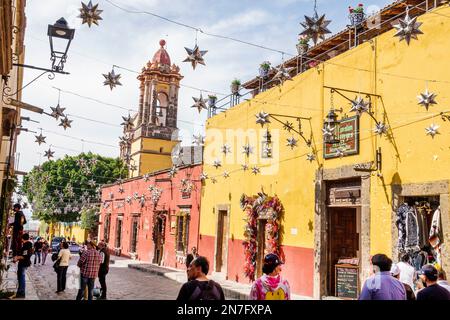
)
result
[(348, 135)]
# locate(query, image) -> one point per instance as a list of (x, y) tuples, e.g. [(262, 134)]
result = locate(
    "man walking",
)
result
[(381, 285), (432, 291), (23, 257), (104, 268), (37, 251), (89, 264), (19, 221)]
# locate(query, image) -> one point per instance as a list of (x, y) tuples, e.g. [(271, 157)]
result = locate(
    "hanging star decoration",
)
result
[(408, 28), (127, 122), (226, 174), (65, 123), (135, 196), (94, 161), (90, 13), (203, 176), (128, 199), (267, 150), (121, 189), (432, 130), (328, 131), (255, 170), (247, 149), (40, 139), (315, 27), (200, 103), (146, 177), (199, 140), (292, 142), (427, 98), (288, 126), (173, 172), (105, 205), (49, 154), (244, 167), (57, 112), (217, 163), (81, 162), (132, 167), (127, 158), (91, 183), (310, 157), (142, 200), (381, 128), (359, 105), (112, 79), (283, 74), (262, 118), (125, 140), (195, 56), (226, 149), (214, 180)]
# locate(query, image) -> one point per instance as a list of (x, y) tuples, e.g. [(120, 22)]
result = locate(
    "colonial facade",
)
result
[(339, 200)]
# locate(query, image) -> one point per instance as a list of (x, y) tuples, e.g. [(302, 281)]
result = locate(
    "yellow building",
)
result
[(336, 205)]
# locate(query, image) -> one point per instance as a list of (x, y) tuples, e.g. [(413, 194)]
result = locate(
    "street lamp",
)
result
[(331, 126), (60, 36)]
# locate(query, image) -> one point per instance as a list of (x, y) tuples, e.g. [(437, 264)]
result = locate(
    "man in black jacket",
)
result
[(104, 268), (19, 221), (24, 261)]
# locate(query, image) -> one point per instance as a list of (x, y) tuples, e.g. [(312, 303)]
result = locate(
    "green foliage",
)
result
[(89, 218), (42, 183), (236, 82)]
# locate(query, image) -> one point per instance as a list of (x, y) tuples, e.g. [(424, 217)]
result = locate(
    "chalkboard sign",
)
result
[(347, 281)]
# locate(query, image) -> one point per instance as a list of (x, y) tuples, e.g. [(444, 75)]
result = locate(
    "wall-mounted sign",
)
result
[(348, 135)]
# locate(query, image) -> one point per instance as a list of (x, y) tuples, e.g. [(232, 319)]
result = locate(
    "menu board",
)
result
[(347, 281)]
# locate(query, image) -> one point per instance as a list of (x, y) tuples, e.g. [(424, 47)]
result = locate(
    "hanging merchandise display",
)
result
[(426, 99), (436, 235), (65, 123), (40, 138), (408, 28), (200, 103), (315, 27), (195, 56), (112, 79), (90, 13), (267, 208), (432, 130)]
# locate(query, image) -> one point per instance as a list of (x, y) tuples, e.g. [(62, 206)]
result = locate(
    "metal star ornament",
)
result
[(146, 177), (217, 163), (427, 98), (195, 56), (328, 131), (408, 28), (203, 176), (112, 79), (247, 150), (121, 189), (262, 118), (40, 139), (49, 154), (244, 167), (57, 112), (200, 103), (310, 157), (214, 180), (315, 27), (65, 123), (255, 170), (226, 149), (226, 174), (359, 105), (199, 140), (432, 130), (90, 14), (292, 142), (381, 128), (283, 74), (127, 122), (91, 183)]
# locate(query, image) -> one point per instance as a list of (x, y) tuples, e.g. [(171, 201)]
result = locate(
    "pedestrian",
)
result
[(442, 279), (381, 285), (45, 249), (396, 273), (19, 221), (24, 259), (199, 287), (37, 251), (428, 274), (271, 286), (104, 268), (407, 271), (89, 264), (64, 258)]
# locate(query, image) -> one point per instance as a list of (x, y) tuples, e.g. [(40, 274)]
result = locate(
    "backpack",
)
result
[(210, 293)]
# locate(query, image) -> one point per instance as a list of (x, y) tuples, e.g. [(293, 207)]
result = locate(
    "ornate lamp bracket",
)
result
[(289, 126)]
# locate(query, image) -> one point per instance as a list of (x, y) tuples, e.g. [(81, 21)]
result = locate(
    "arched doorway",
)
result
[(159, 237)]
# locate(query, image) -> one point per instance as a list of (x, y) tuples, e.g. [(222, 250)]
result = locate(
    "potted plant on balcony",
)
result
[(235, 85), (356, 14), (264, 69), (212, 100), (303, 45)]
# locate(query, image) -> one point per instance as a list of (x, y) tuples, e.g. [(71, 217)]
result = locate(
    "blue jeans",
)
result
[(21, 279), (37, 256), (89, 282)]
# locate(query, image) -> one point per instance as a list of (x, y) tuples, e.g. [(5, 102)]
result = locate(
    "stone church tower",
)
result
[(154, 133)]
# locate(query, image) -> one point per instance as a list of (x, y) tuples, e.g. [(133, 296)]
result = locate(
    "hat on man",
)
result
[(429, 271), (395, 270)]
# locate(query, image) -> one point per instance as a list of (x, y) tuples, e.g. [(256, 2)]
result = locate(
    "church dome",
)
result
[(161, 56)]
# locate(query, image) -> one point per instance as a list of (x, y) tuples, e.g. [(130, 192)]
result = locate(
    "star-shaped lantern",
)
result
[(255, 170), (432, 130), (127, 122), (200, 103), (381, 128), (247, 149), (112, 79), (40, 139), (57, 112), (173, 172), (226, 149), (408, 28), (203, 176), (128, 199), (94, 161), (90, 14), (283, 74), (146, 177), (427, 98), (49, 154), (135, 196), (315, 27), (217, 163), (199, 140), (310, 157), (262, 118), (292, 142), (226, 174), (91, 183), (359, 105), (244, 167), (195, 56), (214, 180), (65, 123), (121, 189)]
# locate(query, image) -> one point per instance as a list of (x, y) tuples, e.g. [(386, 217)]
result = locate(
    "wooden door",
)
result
[(159, 246), (343, 239), (261, 246), (220, 241)]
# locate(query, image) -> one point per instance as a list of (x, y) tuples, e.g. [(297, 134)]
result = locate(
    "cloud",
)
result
[(241, 21)]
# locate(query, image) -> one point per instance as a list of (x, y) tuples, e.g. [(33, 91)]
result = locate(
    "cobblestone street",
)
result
[(123, 283)]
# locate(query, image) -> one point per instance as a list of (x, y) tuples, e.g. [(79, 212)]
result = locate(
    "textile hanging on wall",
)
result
[(401, 225), (423, 226), (412, 229), (436, 236)]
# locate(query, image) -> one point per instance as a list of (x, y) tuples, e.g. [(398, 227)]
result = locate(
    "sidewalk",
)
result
[(232, 290), (9, 283)]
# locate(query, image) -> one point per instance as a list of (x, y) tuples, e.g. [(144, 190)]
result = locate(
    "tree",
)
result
[(59, 190), (89, 220)]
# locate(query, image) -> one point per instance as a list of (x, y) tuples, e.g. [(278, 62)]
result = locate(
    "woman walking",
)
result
[(63, 258), (45, 248), (271, 286)]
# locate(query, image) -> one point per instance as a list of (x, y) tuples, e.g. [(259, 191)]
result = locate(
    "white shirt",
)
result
[(407, 273), (64, 254)]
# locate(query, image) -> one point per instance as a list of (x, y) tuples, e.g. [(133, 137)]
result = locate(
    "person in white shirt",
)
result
[(442, 279), (407, 271), (63, 259)]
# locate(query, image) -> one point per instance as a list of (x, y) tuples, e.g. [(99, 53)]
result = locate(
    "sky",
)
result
[(130, 40)]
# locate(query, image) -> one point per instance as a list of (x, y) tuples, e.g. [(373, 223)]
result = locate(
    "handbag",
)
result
[(56, 265)]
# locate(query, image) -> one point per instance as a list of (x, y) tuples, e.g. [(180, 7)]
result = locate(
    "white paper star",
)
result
[(381, 128), (292, 142), (247, 149), (255, 170), (328, 131), (203, 176), (427, 98), (359, 105), (432, 130), (262, 118), (283, 74), (226, 149), (217, 163), (226, 174), (310, 157), (244, 167)]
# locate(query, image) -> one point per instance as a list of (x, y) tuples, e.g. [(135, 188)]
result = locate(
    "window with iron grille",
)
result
[(182, 234), (134, 235), (118, 233), (106, 228)]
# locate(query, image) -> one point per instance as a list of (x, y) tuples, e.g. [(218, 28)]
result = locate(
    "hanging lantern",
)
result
[(330, 127)]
